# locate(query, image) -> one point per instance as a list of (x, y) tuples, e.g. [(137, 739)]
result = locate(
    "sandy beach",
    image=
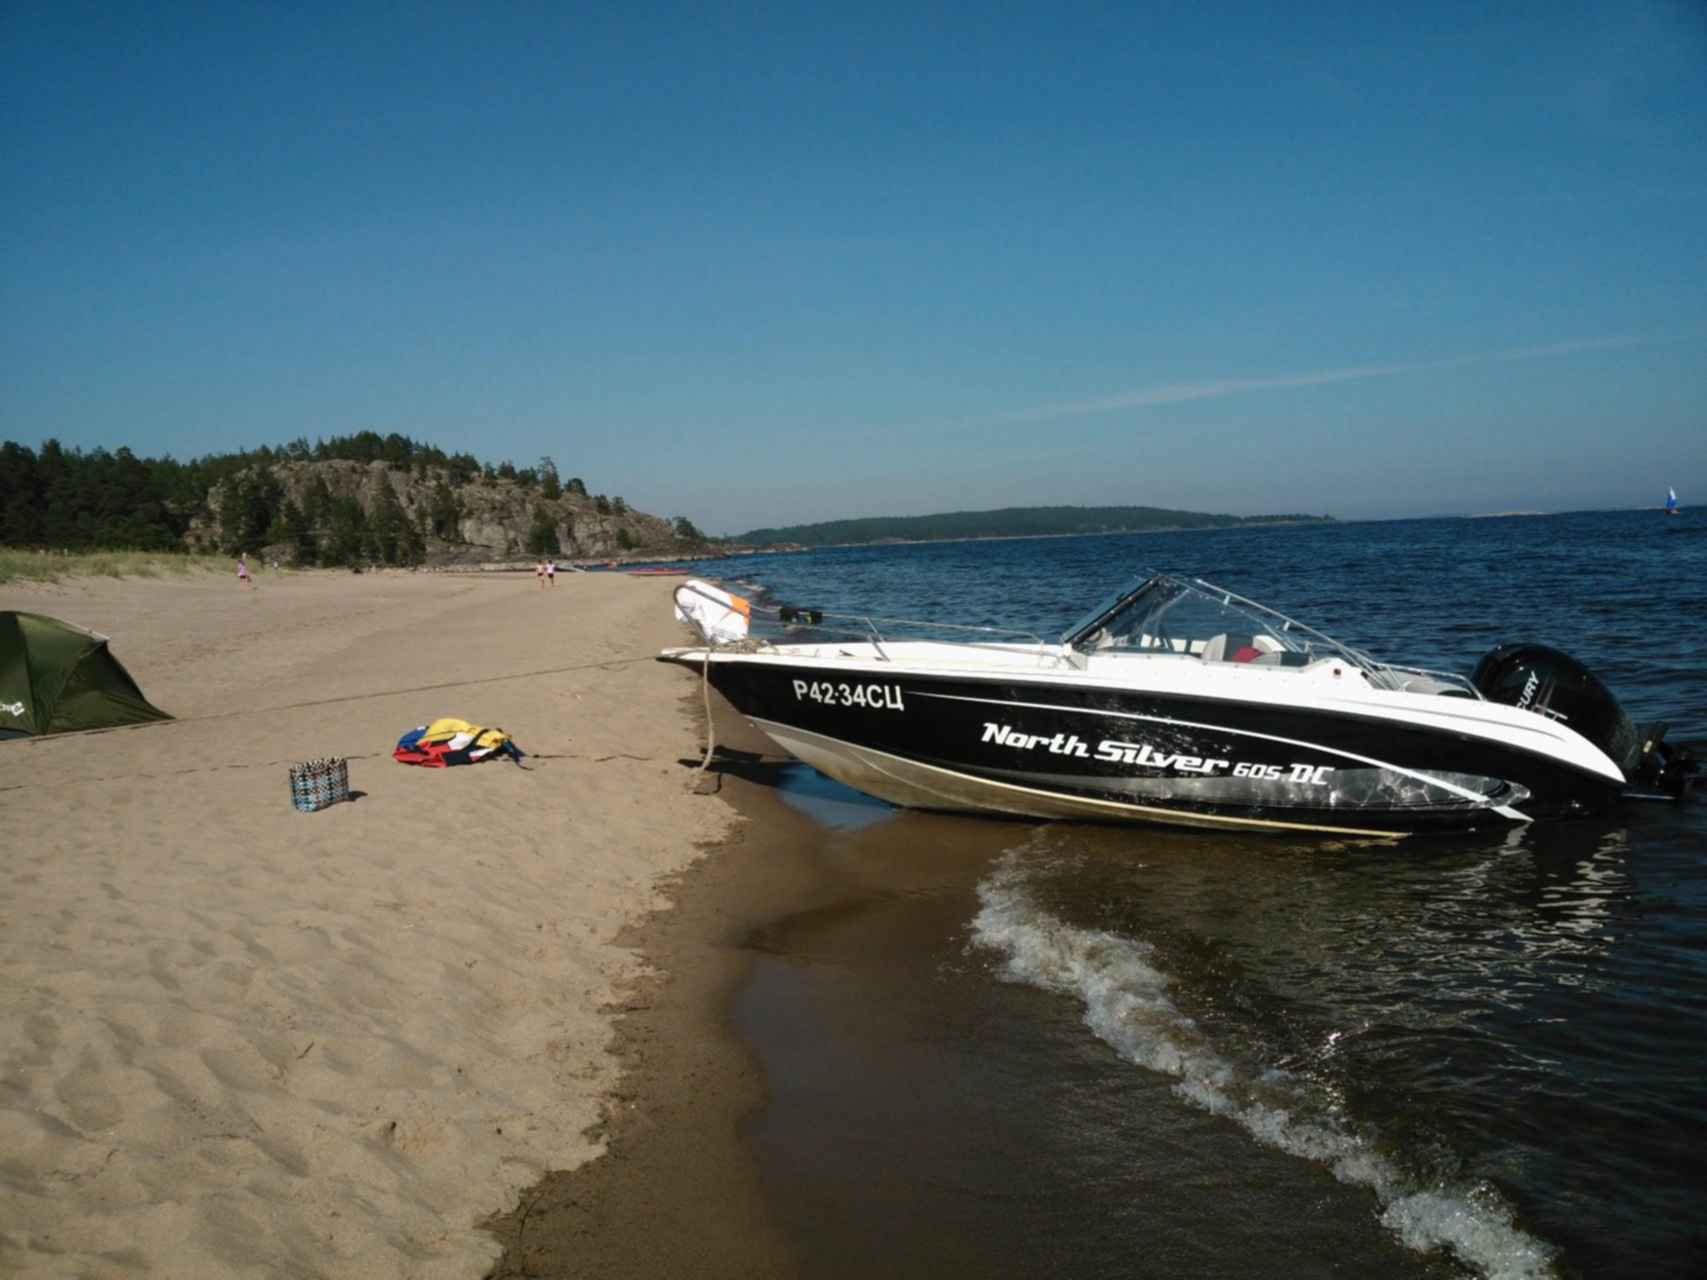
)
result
[(242, 1040)]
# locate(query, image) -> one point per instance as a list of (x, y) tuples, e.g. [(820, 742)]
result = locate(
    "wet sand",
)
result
[(832, 1082), (679, 1193)]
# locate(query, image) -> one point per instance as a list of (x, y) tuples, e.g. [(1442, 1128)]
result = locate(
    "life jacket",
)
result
[(449, 741)]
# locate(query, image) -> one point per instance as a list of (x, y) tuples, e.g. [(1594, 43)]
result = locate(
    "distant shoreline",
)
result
[(733, 548), (1009, 522), (782, 548), (1086, 533)]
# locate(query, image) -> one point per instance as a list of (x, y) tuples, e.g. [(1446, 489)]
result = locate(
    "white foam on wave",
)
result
[(1128, 1007)]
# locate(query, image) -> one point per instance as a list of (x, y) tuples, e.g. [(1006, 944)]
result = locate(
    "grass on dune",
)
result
[(18, 565)]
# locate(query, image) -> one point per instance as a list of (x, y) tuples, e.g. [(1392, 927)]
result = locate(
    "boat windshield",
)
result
[(1166, 614)]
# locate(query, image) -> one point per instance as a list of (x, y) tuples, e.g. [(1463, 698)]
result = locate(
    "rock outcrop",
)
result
[(478, 521)]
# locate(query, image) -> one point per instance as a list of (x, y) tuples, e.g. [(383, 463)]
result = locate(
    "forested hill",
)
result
[(1008, 522), (360, 499)]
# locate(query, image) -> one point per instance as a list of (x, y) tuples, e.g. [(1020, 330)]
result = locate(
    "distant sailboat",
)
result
[(1671, 503)]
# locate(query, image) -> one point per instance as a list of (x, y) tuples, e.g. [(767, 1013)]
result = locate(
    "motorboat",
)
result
[(1177, 702)]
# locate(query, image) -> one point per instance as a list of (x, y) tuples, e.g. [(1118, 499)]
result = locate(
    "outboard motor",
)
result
[(1533, 677)]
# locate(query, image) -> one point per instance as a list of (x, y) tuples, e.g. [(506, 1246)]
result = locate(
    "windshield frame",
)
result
[(1156, 593)]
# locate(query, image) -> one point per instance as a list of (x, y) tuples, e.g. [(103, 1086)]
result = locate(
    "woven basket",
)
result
[(314, 784)]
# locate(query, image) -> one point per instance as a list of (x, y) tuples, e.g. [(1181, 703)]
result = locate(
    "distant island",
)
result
[(1007, 522)]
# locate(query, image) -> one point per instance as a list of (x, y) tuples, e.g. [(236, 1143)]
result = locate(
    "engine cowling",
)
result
[(1537, 678)]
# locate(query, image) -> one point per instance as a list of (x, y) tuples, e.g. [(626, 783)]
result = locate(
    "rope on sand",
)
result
[(364, 755), (701, 784), (698, 785), (608, 664)]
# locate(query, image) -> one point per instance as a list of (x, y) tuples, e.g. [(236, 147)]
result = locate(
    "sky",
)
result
[(772, 263)]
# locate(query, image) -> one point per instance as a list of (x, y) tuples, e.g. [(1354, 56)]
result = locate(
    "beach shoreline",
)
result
[(244, 1040), (678, 1191)]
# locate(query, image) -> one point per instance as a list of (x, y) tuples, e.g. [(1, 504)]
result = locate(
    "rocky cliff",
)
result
[(477, 520)]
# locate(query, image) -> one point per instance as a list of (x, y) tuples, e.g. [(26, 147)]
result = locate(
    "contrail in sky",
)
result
[(1179, 393)]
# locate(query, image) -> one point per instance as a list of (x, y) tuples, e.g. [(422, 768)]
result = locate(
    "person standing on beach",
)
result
[(243, 579), (551, 572), (539, 574)]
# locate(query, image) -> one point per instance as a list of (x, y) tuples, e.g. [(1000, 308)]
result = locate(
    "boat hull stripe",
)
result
[(1111, 808), (1505, 811)]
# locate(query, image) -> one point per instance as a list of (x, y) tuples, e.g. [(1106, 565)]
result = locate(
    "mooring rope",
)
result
[(710, 728), (607, 664)]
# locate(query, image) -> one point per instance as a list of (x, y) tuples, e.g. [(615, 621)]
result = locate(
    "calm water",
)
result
[(1028, 1049)]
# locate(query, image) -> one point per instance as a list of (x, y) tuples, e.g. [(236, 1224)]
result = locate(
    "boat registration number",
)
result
[(883, 697)]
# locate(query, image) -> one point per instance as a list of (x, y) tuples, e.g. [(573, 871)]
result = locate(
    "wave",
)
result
[(1127, 1005)]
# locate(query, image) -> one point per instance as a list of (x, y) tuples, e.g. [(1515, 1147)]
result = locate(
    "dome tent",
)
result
[(56, 677)]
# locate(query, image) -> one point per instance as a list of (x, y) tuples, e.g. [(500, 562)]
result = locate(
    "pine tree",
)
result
[(59, 497), (445, 513), (411, 544), (299, 532), (347, 532), (542, 535), (20, 496), (316, 502), (387, 524)]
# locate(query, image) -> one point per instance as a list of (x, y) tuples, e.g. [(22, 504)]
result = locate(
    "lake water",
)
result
[(1019, 1048)]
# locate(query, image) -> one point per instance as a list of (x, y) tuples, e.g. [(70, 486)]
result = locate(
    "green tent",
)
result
[(55, 677)]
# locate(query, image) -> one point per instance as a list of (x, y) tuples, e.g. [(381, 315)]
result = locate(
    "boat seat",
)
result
[(1420, 683), (1282, 658), (1228, 647)]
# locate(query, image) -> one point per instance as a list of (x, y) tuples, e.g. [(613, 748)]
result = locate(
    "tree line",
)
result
[(100, 500)]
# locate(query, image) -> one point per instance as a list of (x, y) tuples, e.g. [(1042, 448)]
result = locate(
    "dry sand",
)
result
[(240, 1040)]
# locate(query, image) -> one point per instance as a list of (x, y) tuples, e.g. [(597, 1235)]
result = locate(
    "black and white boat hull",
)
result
[(1063, 748), (1179, 702)]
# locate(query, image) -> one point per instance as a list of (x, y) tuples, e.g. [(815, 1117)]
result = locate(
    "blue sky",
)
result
[(761, 264)]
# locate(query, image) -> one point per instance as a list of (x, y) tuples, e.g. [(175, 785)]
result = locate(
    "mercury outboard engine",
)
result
[(1535, 678)]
